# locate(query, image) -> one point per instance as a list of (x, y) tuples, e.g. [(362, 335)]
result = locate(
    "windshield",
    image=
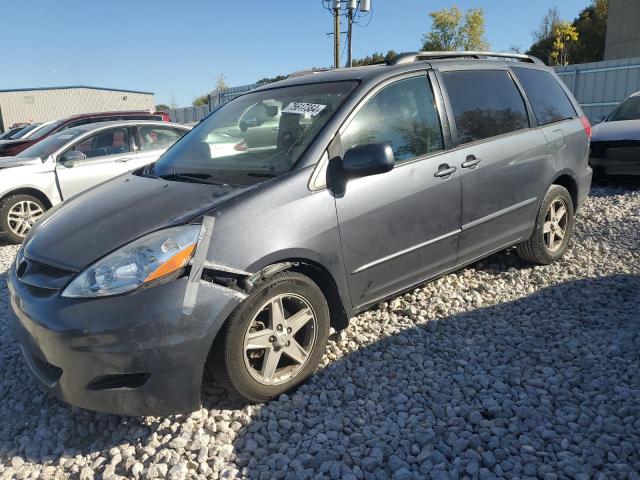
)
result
[(254, 137), (627, 110), (46, 129), (50, 144), (25, 131)]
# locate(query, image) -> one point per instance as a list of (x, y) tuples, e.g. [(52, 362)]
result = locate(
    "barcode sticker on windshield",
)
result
[(300, 108)]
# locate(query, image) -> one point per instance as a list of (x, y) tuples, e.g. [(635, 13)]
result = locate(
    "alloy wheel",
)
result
[(280, 339), (22, 216), (555, 225)]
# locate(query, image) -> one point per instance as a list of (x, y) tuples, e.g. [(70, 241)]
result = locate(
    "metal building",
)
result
[(623, 34), (44, 104)]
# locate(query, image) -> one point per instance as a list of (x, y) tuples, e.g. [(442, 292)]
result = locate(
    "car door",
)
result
[(106, 152), (502, 157), (152, 141), (400, 227)]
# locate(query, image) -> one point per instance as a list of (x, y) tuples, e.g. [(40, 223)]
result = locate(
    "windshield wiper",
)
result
[(193, 177)]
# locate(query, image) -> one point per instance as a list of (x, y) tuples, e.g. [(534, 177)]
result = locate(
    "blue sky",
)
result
[(178, 48)]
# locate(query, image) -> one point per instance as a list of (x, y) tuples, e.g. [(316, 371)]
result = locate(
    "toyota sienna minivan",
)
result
[(367, 182)]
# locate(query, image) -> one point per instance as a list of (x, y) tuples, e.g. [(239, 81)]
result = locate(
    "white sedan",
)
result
[(72, 161)]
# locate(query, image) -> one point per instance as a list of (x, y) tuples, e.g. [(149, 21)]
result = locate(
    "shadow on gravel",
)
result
[(546, 383), (608, 186)]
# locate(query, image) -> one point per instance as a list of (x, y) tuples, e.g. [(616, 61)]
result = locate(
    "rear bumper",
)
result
[(616, 158), (138, 354), (612, 166)]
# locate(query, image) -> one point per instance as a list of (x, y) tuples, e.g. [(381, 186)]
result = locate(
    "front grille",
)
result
[(40, 278)]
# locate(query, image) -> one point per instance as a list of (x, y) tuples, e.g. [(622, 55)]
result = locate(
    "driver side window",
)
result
[(402, 114), (108, 142)]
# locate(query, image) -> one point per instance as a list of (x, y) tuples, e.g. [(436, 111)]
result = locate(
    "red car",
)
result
[(13, 147)]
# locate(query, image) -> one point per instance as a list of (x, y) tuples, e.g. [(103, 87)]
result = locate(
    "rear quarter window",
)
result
[(548, 100), (485, 103)]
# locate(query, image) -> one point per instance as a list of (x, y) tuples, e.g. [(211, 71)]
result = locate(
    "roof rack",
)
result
[(416, 56)]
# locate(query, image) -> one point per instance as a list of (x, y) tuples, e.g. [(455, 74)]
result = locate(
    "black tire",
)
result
[(227, 362), (5, 207), (536, 249)]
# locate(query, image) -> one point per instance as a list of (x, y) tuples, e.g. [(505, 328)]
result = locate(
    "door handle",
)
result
[(471, 162), (444, 170)]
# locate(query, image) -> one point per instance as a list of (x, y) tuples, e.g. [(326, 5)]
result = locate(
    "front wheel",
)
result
[(553, 229), (274, 340), (18, 214)]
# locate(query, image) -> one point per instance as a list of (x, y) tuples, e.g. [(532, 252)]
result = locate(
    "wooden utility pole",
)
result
[(336, 33), (349, 33)]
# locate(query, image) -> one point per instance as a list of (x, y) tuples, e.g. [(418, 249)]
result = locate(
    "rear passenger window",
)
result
[(485, 103), (152, 138), (403, 115), (548, 100)]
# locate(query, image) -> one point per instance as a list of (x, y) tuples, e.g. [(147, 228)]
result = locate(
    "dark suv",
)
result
[(369, 182), (13, 147)]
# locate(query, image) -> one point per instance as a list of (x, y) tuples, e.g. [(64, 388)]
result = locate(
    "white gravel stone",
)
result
[(502, 369)]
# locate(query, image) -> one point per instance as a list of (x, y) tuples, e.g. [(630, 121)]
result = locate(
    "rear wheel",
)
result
[(18, 214), (274, 340), (553, 229)]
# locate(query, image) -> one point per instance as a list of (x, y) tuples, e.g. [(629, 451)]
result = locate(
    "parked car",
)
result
[(615, 145), (9, 133), (16, 146), (379, 179), (68, 162)]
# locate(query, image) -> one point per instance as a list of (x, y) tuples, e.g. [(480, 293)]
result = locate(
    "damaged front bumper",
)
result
[(136, 354)]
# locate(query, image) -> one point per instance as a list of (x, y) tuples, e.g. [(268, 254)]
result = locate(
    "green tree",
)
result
[(203, 100), (451, 30), (543, 36), (590, 26), (375, 57), (161, 107), (200, 101), (565, 36)]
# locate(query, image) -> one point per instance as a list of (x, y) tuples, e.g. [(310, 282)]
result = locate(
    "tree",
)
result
[(161, 107), (590, 26), (200, 101), (375, 57), (203, 100), (221, 84), (445, 30), (543, 36), (451, 30), (472, 32), (565, 36)]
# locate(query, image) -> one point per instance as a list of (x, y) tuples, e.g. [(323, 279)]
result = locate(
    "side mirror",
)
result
[(70, 157), (368, 159)]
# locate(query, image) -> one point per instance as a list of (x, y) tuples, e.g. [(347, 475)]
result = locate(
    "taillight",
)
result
[(587, 126), (240, 147), (165, 116)]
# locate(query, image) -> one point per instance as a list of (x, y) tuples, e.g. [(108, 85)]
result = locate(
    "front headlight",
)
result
[(144, 260)]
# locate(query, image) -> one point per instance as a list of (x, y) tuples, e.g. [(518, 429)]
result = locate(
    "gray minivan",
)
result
[(239, 259)]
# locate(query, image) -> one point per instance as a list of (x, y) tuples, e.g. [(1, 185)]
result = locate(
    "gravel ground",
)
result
[(498, 370)]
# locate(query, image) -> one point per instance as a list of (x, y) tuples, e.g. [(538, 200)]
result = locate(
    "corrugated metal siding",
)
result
[(45, 105), (600, 86)]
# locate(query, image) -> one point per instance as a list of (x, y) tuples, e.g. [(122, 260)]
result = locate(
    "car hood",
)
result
[(614, 131), (88, 226), (10, 162)]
